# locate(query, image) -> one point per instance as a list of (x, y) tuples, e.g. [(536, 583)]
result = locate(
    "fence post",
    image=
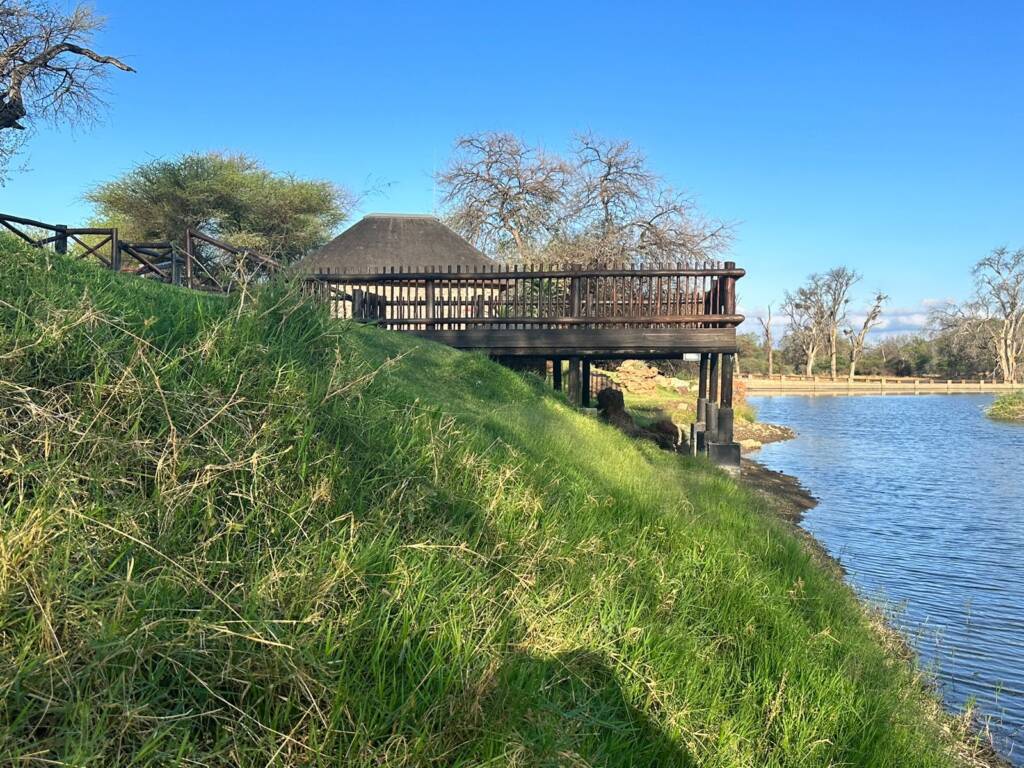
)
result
[(428, 298), (189, 245), (115, 251), (175, 267), (60, 245)]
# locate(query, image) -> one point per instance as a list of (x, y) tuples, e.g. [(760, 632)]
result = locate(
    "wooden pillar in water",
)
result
[(556, 374)]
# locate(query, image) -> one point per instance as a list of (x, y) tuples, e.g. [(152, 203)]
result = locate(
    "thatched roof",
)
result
[(393, 239)]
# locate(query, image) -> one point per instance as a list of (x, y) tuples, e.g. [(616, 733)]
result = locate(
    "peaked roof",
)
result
[(393, 240)]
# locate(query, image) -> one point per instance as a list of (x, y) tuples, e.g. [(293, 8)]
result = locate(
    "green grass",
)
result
[(1008, 407), (236, 532)]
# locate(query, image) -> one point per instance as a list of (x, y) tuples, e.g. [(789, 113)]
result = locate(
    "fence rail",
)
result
[(782, 383)]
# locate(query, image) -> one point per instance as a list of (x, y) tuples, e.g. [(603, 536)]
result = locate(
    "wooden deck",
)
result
[(543, 312), (573, 314)]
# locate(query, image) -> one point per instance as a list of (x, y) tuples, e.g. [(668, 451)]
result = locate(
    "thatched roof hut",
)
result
[(394, 240)]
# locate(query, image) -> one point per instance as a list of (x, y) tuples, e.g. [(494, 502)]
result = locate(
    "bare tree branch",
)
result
[(47, 70)]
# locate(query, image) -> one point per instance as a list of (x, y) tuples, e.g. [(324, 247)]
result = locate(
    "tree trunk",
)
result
[(832, 345), (809, 368), (771, 362)]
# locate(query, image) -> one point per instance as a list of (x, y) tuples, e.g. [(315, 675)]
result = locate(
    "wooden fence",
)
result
[(549, 312), (202, 263), (534, 296), (895, 385)]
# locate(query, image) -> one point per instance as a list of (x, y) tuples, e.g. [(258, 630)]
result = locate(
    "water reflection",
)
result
[(921, 500)]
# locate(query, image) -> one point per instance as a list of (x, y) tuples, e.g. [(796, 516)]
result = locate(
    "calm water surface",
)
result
[(922, 500)]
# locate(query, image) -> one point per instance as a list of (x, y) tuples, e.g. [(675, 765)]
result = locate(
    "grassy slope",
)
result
[(1009, 407), (239, 535)]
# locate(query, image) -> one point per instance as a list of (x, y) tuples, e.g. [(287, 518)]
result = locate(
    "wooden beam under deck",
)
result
[(598, 343)]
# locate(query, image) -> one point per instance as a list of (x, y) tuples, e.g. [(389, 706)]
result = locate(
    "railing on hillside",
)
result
[(536, 297), (204, 263)]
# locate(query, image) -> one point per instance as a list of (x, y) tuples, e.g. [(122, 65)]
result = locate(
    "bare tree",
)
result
[(769, 341), (625, 212), (994, 316), (858, 339), (603, 205), (805, 313), (503, 195), (47, 70), (834, 288)]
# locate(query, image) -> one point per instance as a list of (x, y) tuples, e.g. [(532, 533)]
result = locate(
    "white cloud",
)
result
[(895, 320)]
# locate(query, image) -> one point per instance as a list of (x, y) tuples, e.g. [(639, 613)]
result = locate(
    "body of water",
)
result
[(922, 500)]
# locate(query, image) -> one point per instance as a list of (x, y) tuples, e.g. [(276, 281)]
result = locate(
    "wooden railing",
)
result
[(536, 297), (203, 263), (868, 384)]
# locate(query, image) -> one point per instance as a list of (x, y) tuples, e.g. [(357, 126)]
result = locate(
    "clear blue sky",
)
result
[(885, 136)]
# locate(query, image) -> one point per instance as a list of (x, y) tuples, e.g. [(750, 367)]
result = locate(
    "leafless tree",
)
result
[(603, 205), (858, 339), (994, 316), (805, 312), (769, 341), (834, 287), (624, 209), (503, 195), (47, 70)]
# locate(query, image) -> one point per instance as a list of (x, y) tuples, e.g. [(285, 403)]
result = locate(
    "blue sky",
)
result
[(888, 137)]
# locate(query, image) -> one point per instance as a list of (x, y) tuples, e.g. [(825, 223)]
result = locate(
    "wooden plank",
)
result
[(602, 343), (517, 275)]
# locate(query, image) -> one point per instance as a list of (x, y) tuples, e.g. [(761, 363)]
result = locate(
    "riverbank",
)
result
[(788, 499), (1008, 407), (905, 519), (248, 534)]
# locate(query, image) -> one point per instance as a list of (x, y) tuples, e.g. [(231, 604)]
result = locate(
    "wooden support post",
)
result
[(115, 251), (713, 379), (60, 245), (725, 415), (585, 383), (575, 371), (711, 424), (702, 386), (556, 374)]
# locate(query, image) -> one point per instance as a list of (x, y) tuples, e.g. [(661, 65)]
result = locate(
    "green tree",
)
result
[(232, 197)]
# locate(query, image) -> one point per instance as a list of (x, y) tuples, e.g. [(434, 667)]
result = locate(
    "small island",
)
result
[(1008, 407)]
